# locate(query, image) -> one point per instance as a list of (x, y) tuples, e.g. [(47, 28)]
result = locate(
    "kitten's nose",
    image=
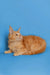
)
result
[(20, 36)]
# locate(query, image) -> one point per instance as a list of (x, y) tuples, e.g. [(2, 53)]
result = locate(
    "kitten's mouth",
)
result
[(20, 38)]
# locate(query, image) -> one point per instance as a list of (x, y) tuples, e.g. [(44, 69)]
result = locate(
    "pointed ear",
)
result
[(19, 29), (10, 30)]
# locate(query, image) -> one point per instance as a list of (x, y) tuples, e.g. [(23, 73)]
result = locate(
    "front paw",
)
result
[(16, 54), (6, 52), (9, 51)]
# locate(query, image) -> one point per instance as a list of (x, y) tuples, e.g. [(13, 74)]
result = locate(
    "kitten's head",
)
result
[(14, 35)]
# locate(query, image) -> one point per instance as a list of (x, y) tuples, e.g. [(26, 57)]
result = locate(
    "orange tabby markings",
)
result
[(24, 45)]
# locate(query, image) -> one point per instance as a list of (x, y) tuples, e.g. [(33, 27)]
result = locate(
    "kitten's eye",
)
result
[(16, 34)]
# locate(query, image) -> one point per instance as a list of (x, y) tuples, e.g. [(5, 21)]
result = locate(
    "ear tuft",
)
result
[(10, 30), (19, 29)]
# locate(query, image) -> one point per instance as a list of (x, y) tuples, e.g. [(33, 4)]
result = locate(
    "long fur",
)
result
[(24, 45)]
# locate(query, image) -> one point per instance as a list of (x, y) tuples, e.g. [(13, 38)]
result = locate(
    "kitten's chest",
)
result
[(13, 45)]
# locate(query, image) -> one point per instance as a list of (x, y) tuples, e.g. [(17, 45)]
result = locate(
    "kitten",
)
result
[(24, 45)]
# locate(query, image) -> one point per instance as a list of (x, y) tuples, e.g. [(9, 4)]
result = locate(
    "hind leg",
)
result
[(29, 53)]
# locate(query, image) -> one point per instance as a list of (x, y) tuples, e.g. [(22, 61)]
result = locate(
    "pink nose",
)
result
[(20, 36)]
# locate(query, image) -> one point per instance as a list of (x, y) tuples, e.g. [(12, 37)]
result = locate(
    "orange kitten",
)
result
[(24, 45)]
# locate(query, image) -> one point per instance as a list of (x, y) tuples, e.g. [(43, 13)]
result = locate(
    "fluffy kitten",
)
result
[(24, 45)]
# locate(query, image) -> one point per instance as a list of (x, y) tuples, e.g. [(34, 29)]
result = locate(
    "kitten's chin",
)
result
[(19, 39), (16, 40)]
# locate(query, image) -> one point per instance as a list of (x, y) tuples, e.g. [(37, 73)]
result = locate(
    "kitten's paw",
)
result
[(15, 54), (9, 51), (5, 52)]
